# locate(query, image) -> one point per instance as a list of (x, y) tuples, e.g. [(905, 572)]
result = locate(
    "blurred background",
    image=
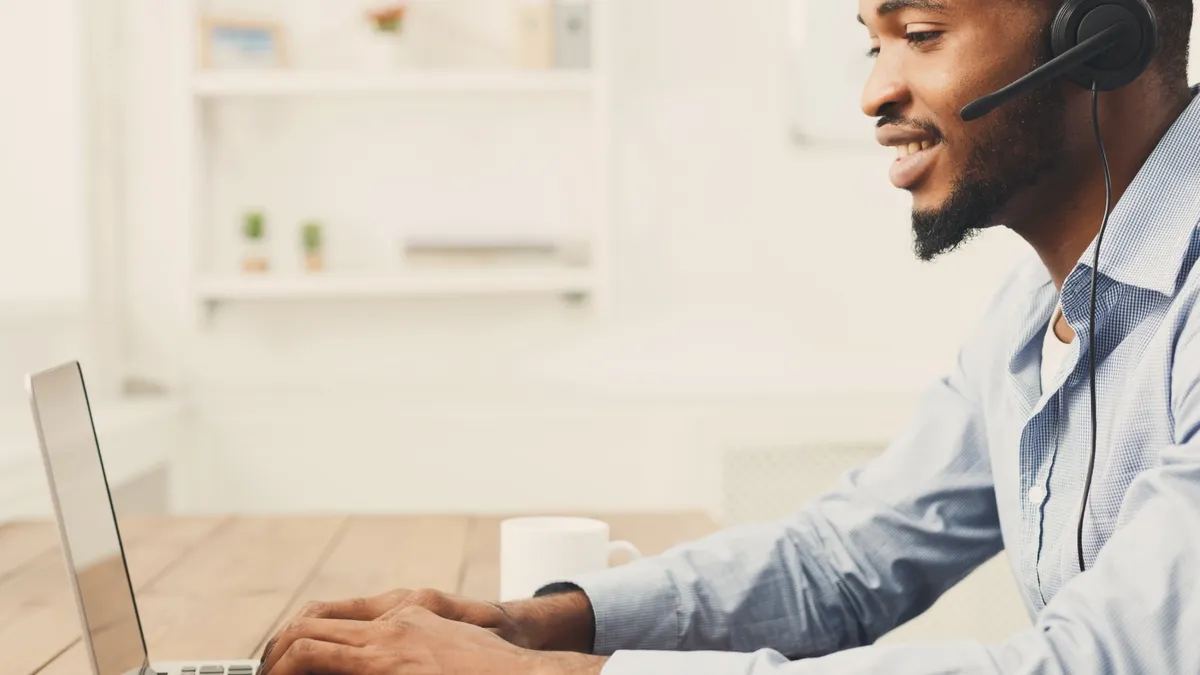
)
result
[(466, 256)]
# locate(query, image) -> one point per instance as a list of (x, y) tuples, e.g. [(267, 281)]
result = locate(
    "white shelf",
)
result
[(292, 83), (326, 286)]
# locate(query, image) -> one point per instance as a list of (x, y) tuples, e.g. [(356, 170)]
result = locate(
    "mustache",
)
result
[(909, 123)]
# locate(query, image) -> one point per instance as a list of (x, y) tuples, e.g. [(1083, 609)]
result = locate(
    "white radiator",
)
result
[(765, 483)]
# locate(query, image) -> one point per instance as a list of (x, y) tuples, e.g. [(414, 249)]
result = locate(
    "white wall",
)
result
[(42, 200), (750, 277), (41, 170)]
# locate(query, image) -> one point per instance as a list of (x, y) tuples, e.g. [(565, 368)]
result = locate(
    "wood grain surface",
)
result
[(219, 587)]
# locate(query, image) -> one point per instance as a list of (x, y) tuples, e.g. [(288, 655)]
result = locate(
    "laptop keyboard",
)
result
[(217, 670)]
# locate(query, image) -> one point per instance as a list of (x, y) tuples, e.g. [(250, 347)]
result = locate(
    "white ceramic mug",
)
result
[(537, 551)]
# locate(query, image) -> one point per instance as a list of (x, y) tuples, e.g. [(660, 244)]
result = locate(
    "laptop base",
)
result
[(205, 667)]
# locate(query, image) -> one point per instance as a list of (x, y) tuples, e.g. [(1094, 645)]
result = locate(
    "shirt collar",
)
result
[(1150, 227)]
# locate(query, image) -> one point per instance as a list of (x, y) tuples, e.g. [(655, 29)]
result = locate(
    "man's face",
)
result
[(932, 58)]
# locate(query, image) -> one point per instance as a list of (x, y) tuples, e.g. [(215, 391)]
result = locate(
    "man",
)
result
[(995, 456)]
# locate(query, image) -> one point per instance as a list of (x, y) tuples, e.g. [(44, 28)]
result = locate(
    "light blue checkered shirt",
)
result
[(989, 462)]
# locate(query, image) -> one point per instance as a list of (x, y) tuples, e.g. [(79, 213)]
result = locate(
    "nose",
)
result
[(884, 89)]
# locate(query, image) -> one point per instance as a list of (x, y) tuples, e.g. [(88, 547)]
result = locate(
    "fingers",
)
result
[(307, 656), (449, 607), (334, 631), (435, 601), (357, 609)]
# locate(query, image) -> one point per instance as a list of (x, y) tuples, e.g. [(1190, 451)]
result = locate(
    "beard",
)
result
[(1021, 143)]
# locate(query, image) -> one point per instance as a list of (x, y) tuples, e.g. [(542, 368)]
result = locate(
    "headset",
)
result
[(1101, 45)]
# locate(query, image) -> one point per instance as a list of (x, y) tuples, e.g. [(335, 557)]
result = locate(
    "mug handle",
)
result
[(623, 546)]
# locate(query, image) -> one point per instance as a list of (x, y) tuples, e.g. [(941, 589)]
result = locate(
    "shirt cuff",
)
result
[(635, 606), (689, 663)]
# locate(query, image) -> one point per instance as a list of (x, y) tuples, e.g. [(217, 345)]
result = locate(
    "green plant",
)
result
[(254, 226), (389, 18), (311, 237)]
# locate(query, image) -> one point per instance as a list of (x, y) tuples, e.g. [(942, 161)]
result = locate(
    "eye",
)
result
[(872, 52), (922, 37)]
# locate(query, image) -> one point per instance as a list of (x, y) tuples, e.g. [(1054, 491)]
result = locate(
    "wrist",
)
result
[(562, 622)]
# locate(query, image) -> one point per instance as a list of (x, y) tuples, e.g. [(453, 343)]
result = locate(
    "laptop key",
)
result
[(212, 670)]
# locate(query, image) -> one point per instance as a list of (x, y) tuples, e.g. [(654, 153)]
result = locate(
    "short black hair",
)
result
[(1174, 34)]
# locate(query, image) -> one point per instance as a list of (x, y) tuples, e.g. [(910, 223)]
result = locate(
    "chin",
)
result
[(929, 199)]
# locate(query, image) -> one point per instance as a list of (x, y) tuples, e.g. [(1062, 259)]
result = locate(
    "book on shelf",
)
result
[(535, 33), (573, 34), (554, 34)]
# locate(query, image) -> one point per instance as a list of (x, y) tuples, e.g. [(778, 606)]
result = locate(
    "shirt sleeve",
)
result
[(1136, 610), (868, 556)]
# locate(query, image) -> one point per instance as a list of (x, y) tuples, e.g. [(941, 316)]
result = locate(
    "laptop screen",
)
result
[(93, 546)]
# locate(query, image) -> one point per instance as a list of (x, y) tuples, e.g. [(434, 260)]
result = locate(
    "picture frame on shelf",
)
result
[(231, 44), (827, 65)]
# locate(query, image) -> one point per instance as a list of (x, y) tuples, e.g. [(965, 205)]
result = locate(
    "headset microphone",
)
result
[(1100, 45)]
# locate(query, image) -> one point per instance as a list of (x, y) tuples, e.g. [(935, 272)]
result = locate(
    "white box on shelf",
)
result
[(489, 252)]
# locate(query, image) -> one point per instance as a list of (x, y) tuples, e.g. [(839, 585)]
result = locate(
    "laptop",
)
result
[(91, 538)]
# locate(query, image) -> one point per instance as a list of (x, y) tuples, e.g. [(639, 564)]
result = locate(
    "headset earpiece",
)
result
[(1119, 66)]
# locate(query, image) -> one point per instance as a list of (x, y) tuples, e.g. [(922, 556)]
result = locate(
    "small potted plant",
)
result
[(386, 48), (389, 18), (254, 232), (311, 240)]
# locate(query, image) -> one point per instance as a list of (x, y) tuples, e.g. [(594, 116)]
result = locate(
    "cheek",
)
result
[(940, 95)]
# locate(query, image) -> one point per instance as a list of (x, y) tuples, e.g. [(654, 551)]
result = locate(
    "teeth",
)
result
[(913, 148)]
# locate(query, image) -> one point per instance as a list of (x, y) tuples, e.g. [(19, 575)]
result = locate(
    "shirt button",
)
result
[(1037, 494)]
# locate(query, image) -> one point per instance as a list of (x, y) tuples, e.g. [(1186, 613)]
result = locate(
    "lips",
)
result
[(916, 152)]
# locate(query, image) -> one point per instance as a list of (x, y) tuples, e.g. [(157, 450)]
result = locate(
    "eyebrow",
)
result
[(892, 6)]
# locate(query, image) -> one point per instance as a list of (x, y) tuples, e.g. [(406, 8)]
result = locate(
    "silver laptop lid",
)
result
[(90, 536)]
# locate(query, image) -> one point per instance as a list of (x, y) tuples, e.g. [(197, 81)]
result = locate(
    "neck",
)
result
[(1064, 216)]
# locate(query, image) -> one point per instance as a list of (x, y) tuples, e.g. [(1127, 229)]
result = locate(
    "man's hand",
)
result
[(412, 641), (560, 623)]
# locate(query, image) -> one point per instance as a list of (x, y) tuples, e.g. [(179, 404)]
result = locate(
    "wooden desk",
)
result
[(219, 587)]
